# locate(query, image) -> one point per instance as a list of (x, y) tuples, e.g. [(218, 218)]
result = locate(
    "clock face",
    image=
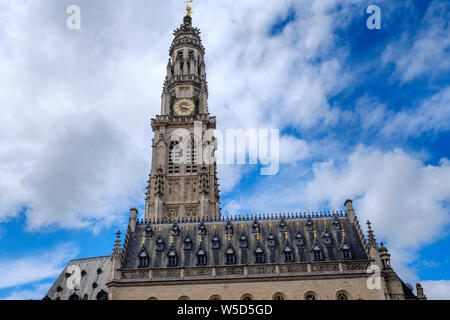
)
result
[(184, 107)]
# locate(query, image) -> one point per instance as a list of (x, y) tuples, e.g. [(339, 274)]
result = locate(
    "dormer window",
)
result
[(282, 226), (172, 258), (259, 257), (143, 262), (255, 227), (243, 243), (271, 240), (143, 259), (230, 255), (201, 257), (317, 253), (345, 251), (175, 230), (287, 253), (215, 242), (99, 271), (148, 231), (159, 244), (299, 241), (202, 230), (228, 228), (187, 243), (326, 238), (336, 224), (346, 255), (309, 225)]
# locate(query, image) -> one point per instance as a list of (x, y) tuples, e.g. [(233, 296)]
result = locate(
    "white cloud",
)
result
[(36, 266), (432, 116), (437, 290), (37, 292), (76, 105), (425, 53)]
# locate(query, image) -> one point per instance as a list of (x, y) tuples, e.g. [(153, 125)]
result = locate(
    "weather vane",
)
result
[(188, 7)]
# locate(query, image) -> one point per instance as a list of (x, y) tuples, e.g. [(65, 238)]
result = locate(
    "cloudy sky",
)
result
[(363, 114)]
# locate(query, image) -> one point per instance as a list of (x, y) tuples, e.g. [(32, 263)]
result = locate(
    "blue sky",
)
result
[(363, 114)]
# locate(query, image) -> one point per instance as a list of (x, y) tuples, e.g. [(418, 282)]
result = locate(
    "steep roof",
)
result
[(93, 274), (268, 228)]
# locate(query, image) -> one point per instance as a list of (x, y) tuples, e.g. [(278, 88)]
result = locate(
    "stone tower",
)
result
[(183, 180)]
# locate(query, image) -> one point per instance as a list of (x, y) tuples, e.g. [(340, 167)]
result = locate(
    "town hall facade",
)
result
[(184, 248)]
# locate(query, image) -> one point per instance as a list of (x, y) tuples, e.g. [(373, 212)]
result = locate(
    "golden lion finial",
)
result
[(188, 8)]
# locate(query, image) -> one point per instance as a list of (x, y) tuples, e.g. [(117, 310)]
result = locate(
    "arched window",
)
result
[(102, 295), (342, 295), (174, 157), (215, 297), (152, 298), (278, 296), (183, 298), (247, 296), (191, 156), (310, 295)]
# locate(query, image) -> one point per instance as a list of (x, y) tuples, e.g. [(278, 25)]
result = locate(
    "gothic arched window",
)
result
[(191, 155), (174, 157)]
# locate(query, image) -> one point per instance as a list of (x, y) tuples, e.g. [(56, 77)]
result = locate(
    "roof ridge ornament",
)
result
[(188, 7)]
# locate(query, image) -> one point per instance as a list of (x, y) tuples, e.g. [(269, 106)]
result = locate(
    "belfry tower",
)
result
[(183, 179)]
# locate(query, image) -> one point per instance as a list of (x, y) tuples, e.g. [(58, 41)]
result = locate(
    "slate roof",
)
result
[(97, 271), (268, 228)]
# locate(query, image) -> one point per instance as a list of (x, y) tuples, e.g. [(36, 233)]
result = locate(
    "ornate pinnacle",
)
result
[(116, 249), (372, 240)]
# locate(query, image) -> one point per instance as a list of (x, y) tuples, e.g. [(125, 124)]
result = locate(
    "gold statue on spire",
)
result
[(188, 7)]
